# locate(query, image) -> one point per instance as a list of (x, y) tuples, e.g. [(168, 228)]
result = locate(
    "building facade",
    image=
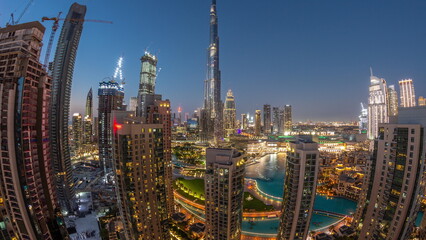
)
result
[(302, 168), (77, 130), (276, 120), (147, 80), (377, 105), (212, 113), (111, 96), (288, 119), (244, 121), (267, 119), (29, 207), (422, 101), (229, 115), (363, 120), (392, 194), (63, 68), (224, 192), (408, 96)]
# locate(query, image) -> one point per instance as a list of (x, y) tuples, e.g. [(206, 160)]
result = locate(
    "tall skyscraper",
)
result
[(389, 205), (281, 119), (89, 104), (224, 191), (29, 207), (147, 80), (63, 69), (77, 130), (267, 118), (299, 189), (244, 121), (87, 130), (229, 114), (377, 105), (406, 89), (275, 120), (257, 123), (288, 119), (140, 177), (422, 101), (363, 120), (111, 96), (393, 101), (133, 103), (211, 116)]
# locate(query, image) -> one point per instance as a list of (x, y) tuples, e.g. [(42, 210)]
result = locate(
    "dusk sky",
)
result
[(314, 55)]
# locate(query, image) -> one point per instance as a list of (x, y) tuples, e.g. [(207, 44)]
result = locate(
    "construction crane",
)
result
[(12, 17), (55, 28)]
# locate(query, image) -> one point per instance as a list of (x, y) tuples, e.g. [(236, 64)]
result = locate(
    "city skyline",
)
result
[(355, 42)]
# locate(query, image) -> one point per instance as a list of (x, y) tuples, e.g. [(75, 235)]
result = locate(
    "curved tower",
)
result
[(211, 116), (63, 69)]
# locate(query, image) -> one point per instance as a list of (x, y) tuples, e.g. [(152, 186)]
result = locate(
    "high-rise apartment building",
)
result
[(377, 105), (63, 68), (408, 96), (244, 121), (140, 169), (211, 114), (224, 191), (257, 123), (363, 120), (77, 130), (147, 80), (87, 130), (288, 119), (275, 120), (267, 118), (299, 189), (393, 101), (389, 205), (422, 101), (29, 207), (281, 119), (111, 96), (229, 114)]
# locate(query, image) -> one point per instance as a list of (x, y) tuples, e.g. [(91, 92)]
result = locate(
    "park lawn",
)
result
[(196, 185), (255, 204)]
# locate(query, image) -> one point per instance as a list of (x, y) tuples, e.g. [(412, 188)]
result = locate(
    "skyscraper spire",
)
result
[(211, 120)]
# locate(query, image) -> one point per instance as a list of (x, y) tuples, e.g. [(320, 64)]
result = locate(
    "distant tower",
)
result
[(77, 131), (377, 105), (224, 191), (281, 125), (393, 101), (275, 120), (63, 69), (267, 118), (389, 205), (288, 120), (299, 189), (422, 101), (179, 115), (29, 207), (211, 116), (147, 80), (229, 114), (257, 123), (111, 96), (408, 97), (132, 104), (89, 105), (244, 121), (363, 120)]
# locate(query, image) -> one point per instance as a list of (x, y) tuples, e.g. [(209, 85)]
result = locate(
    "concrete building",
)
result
[(140, 170), (133, 103), (408, 96), (377, 105), (302, 168), (29, 207), (224, 191), (229, 115), (288, 119), (267, 128), (63, 69), (393, 101), (111, 96), (257, 123), (389, 205)]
